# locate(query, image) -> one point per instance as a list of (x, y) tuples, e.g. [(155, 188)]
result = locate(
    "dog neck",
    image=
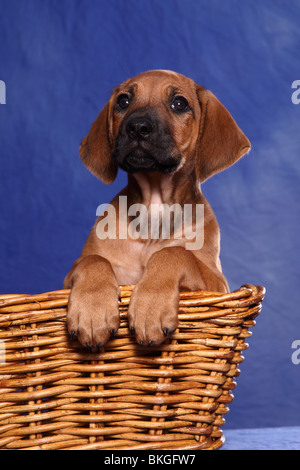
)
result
[(154, 188), (157, 188)]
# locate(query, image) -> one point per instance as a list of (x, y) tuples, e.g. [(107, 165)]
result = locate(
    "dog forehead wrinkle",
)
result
[(159, 77), (158, 86), (150, 89)]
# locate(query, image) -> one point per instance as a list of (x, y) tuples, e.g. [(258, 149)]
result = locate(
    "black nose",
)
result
[(139, 128)]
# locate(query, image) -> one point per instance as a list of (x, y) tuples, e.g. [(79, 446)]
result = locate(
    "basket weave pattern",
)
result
[(55, 395)]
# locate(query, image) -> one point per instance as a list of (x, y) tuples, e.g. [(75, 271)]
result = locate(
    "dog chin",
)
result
[(134, 162)]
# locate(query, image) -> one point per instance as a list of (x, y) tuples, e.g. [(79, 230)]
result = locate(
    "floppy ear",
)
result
[(220, 142), (95, 149)]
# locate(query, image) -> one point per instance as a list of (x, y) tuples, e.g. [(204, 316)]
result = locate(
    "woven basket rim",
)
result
[(255, 292), (55, 395)]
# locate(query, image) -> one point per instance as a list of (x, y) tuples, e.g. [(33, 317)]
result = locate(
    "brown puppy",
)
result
[(170, 135)]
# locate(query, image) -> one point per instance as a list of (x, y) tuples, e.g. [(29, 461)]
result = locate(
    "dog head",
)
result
[(161, 121)]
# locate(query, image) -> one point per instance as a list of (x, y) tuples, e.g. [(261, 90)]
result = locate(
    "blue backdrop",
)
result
[(60, 59)]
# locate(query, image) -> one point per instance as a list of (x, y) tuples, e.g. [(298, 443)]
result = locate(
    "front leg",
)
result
[(153, 310), (93, 310)]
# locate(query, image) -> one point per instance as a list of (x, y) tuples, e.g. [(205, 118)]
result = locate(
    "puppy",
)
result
[(169, 134)]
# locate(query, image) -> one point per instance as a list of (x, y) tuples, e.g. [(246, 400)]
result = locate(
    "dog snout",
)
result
[(144, 143), (139, 128)]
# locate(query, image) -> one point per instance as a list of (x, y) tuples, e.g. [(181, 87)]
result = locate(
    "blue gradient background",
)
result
[(61, 59)]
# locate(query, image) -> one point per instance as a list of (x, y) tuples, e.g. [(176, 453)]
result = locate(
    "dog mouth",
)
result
[(142, 160)]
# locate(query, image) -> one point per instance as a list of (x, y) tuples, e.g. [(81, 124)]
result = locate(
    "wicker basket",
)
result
[(55, 395)]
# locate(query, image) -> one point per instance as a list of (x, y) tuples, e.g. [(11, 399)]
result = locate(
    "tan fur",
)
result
[(208, 140)]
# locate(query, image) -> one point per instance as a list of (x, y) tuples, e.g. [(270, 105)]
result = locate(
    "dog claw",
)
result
[(166, 331), (72, 335), (88, 347), (149, 343)]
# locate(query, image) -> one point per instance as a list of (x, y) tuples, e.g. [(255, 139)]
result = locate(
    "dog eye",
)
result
[(123, 101), (179, 104)]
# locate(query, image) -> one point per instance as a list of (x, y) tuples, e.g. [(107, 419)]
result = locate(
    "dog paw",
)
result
[(93, 317), (153, 313)]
